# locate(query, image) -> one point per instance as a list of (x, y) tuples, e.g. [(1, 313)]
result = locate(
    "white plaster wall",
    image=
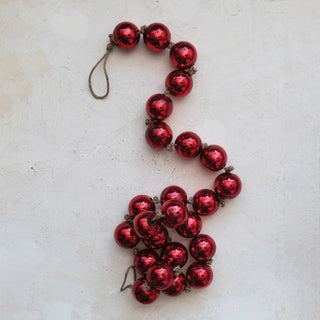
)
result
[(69, 164)]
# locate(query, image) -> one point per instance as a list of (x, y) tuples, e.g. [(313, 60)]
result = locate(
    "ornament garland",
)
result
[(148, 218)]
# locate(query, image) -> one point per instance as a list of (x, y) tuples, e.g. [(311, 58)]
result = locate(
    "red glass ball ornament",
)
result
[(160, 276), (227, 185), (125, 236), (205, 202), (179, 83), (126, 35), (159, 106), (174, 254), (173, 193), (141, 294), (144, 225), (188, 145), (157, 241), (140, 204), (175, 212), (213, 158), (199, 275), (183, 55), (191, 227), (178, 285), (159, 135), (157, 37), (202, 247), (144, 259)]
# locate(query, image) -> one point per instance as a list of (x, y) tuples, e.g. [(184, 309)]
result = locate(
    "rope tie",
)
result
[(156, 200), (170, 146), (177, 270), (143, 29), (158, 215), (190, 200), (146, 286), (191, 71), (228, 169), (123, 288), (171, 44), (103, 59), (127, 217), (222, 202), (187, 287), (148, 122), (204, 146)]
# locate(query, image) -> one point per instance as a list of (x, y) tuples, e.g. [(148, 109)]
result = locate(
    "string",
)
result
[(158, 215), (109, 48), (123, 288)]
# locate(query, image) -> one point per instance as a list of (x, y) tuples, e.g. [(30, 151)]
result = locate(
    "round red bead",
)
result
[(183, 55), (173, 193), (202, 247), (144, 259), (157, 241), (191, 227), (144, 226), (140, 204), (141, 294), (159, 135), (160, 276), (199, 275), (179, 83), (157, 37), (175, 213), (227, 185), (188, 145), (174, 254), (205, 202), (177, 286), (159, 107), (213, 158), (125, 236), (126, 35)]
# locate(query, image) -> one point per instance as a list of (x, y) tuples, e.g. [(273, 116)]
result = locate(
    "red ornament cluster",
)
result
[(148, 219)]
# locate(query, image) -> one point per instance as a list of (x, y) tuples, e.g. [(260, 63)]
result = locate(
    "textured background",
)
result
[(69, 164)]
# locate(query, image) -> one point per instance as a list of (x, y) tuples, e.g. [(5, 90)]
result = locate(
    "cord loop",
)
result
[(103, 59)]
